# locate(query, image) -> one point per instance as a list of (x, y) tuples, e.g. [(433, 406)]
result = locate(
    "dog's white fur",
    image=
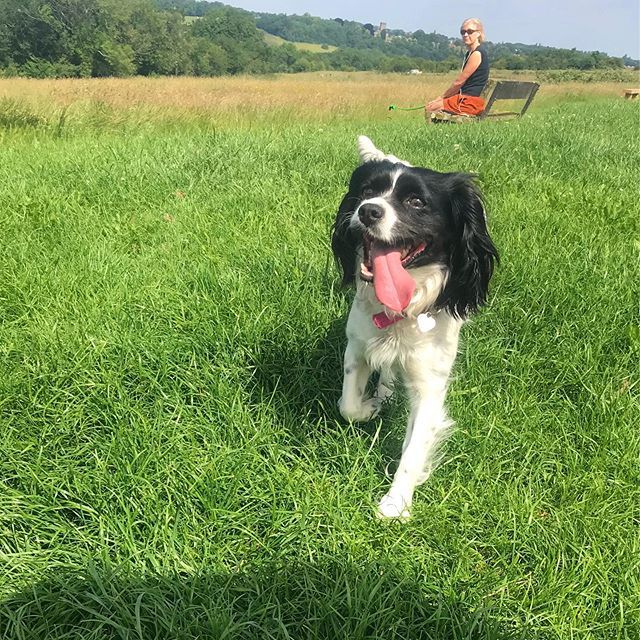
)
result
[(423, 360)]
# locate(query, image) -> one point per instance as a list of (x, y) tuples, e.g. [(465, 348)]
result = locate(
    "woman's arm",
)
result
[(473, 62)]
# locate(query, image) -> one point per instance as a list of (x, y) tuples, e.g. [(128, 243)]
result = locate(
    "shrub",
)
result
[(17, 115), (557, 76), (39, 68)]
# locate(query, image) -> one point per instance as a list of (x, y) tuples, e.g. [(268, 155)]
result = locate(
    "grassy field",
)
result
[(171, 457), (277, 41), (328, 97)]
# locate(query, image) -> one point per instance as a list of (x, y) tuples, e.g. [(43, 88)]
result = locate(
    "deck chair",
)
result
[(496, 91)]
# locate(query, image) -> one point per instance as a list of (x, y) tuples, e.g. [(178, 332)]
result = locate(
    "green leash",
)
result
[(392, 107)]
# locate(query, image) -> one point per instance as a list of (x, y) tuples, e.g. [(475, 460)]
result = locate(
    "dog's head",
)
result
[(396, 218)]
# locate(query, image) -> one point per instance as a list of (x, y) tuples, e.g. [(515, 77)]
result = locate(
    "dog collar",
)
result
[(382, 320), (425, 321)]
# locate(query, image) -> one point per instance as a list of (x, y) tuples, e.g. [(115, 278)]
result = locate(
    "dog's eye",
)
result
[(415, 202), (367, 192)]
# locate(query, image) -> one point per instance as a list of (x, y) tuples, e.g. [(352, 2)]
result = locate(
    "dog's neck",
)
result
[(430, 281), (425, 321)]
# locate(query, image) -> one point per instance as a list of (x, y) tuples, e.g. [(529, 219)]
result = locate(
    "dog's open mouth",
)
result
[(407, 256), (386, 267)]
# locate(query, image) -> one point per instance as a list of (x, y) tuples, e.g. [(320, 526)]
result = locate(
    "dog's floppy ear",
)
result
[(343, 243), (474, 254)]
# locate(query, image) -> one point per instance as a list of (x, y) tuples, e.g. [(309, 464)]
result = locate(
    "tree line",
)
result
[(97, 38)]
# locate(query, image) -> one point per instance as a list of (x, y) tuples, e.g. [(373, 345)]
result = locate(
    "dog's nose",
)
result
[(370, 213)]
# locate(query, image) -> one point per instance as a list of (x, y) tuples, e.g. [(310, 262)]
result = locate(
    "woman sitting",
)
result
[(463, 96)]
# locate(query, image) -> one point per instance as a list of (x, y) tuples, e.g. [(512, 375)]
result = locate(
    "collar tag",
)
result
[(426, 322)]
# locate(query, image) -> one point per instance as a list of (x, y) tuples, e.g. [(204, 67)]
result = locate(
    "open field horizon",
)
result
[(172, 461)]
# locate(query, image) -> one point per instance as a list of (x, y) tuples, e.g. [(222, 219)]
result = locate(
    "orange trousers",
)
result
[(469, 105)]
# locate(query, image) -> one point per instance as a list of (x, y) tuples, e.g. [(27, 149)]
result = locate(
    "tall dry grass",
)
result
[(305, 96)]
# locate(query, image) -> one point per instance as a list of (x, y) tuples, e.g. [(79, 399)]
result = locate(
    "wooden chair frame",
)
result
[(495, 91)]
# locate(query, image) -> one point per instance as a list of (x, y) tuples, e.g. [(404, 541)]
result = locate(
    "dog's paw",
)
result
[(394, 507), (362, 412)]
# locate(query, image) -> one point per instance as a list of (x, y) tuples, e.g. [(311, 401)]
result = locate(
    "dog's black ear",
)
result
[(474, 255), (343, 243)]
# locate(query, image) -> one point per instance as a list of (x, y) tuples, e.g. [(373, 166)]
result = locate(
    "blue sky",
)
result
[(611, 26)]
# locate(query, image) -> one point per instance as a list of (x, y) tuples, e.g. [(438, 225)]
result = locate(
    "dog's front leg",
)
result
[(353, 404), (427, 426)]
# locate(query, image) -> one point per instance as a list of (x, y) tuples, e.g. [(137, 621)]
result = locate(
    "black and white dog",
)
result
[(415, 244)]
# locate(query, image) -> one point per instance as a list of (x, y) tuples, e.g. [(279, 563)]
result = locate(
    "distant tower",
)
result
[(382, 32)]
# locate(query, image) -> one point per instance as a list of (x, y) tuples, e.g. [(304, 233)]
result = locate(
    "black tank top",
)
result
[(478, 79)]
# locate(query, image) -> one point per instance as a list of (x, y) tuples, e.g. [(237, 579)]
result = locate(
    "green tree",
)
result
[(113, 59), (235, 32), (32, 31), (207, 58)]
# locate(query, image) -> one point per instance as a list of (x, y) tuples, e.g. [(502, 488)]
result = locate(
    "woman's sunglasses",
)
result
[(464, 32)]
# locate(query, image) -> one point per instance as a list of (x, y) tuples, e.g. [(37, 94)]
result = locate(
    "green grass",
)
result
[(171, 329)]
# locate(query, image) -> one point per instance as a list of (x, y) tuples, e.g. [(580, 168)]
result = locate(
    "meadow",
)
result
[(172, 462)]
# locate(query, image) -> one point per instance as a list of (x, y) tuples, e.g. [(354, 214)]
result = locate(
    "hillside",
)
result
[(393, 43), (430, 46)]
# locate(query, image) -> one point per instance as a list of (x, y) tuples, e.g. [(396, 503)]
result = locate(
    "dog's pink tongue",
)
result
[(392, 283)]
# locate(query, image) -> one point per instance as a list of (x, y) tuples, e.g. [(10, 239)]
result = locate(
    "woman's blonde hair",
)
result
[(476, 25)]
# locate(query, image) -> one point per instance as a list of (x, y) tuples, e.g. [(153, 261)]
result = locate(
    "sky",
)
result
[(610, 26)]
